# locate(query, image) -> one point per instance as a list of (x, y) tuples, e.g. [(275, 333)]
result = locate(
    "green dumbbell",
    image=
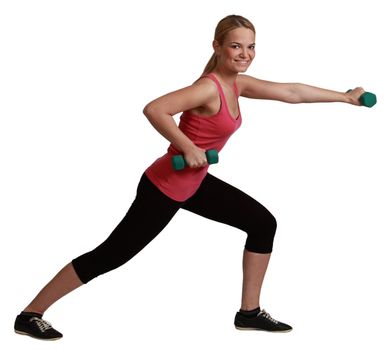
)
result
[(178, 162), (367, 99)]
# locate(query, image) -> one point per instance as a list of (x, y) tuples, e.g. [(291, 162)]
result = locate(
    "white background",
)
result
[(75, 76)]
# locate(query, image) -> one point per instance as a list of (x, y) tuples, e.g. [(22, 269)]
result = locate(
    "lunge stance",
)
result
[(210, 115)]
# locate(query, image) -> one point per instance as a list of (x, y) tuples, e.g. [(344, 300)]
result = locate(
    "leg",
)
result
[(63, 283), (149, 214), (254, 269), (222, 202)]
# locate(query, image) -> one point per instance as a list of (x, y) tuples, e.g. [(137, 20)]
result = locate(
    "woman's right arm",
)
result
[(160, 114)]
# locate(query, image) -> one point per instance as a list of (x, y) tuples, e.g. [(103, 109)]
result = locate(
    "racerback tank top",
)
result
[(206, 132)]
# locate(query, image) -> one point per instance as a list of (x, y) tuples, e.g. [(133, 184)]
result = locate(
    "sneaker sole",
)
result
[(259, 329), (32, 336)]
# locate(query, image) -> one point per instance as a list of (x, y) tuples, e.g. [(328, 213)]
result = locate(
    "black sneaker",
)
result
[(29, 323), (260, 322)]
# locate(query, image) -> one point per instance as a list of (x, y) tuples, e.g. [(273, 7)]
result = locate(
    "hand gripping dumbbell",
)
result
[(179, 163), (367, 99)]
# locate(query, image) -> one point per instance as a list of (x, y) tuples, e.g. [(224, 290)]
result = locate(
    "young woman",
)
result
[(210, 116)]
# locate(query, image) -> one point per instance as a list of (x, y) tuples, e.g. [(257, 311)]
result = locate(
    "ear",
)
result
[(216, 47)]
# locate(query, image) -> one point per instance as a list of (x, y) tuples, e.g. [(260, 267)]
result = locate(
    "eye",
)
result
[(235, 46), (252, 47)]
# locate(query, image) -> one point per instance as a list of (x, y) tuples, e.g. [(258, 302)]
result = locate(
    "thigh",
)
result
[(148, 215), (222, 202)]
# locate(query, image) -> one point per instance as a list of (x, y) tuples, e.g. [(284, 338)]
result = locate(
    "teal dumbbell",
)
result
[(367, 99), (179, 163)]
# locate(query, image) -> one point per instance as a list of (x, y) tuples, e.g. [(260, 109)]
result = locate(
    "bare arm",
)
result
[(293, 92), (160, 114)]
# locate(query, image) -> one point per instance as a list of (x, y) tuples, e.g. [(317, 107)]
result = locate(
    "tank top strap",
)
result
[(212, 77), (236, 89)]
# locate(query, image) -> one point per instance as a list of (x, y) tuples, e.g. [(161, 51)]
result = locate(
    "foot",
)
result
[(261, 321), (29, 323)]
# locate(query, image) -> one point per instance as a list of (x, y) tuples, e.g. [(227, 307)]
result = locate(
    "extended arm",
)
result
[(293, 92)]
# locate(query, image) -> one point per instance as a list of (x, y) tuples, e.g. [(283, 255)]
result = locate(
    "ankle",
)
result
[(33, 311), (249, 307), (249, 310)]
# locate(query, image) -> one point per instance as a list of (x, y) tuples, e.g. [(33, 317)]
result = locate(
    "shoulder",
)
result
[(205, 85), (246, 82), (257, 88), (203, 90), (201, 93)]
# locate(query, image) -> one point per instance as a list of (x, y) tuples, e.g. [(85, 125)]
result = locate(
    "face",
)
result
[(237, 51)]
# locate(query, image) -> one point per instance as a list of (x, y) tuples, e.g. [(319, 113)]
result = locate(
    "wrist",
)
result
[(187, 147), (348, 98), (183, 143)]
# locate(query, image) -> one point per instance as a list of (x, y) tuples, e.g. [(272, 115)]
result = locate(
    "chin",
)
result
[(241, 70)]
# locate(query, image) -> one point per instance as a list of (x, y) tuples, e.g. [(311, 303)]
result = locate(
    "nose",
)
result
[(243, 53)]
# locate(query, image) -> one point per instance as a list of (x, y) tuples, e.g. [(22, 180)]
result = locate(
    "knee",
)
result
[(268, 227), (261, 235), (265, 225), (272, 224)]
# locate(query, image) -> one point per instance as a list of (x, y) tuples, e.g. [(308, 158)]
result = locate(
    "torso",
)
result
[(208, 130)]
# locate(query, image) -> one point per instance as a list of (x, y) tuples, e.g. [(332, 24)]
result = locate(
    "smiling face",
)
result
[(237, 51)]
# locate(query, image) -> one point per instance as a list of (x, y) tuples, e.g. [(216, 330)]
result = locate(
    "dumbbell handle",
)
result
[(179, 163), (367, 99)]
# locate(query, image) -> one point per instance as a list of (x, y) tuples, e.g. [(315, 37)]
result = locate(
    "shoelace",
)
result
[(265, 314), (43, 325)]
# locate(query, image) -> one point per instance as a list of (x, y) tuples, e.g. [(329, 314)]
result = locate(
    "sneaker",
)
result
[(260, 322), (29, 323)]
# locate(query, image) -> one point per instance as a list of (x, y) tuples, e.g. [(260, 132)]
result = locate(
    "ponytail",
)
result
[(211, 65)]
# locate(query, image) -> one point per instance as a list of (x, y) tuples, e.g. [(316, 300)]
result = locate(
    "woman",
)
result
[(210, 116)]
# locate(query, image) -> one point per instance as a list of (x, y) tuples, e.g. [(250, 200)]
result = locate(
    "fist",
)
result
[(195, 157), (355, 95)]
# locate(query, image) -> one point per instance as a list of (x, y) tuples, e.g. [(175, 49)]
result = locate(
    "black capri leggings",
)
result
[(152, 210)]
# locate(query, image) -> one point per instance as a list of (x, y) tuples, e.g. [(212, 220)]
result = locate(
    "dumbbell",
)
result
[(367, 99), (179, 163)]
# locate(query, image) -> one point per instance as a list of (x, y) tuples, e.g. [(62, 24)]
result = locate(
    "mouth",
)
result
[(243, 62)]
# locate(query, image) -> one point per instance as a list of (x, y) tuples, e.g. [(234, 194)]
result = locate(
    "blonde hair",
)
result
[(222, 29)]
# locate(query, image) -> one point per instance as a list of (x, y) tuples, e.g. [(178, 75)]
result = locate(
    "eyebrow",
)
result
[(234, 42)]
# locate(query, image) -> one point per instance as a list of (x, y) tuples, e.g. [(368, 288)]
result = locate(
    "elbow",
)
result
[(155, 111), (294, 100), (149, 111), (293, 94)]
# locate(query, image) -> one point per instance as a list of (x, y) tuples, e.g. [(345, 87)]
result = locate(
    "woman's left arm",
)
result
[(293, 92)]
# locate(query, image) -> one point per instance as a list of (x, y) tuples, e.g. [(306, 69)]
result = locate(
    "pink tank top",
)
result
[(205, 132)]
